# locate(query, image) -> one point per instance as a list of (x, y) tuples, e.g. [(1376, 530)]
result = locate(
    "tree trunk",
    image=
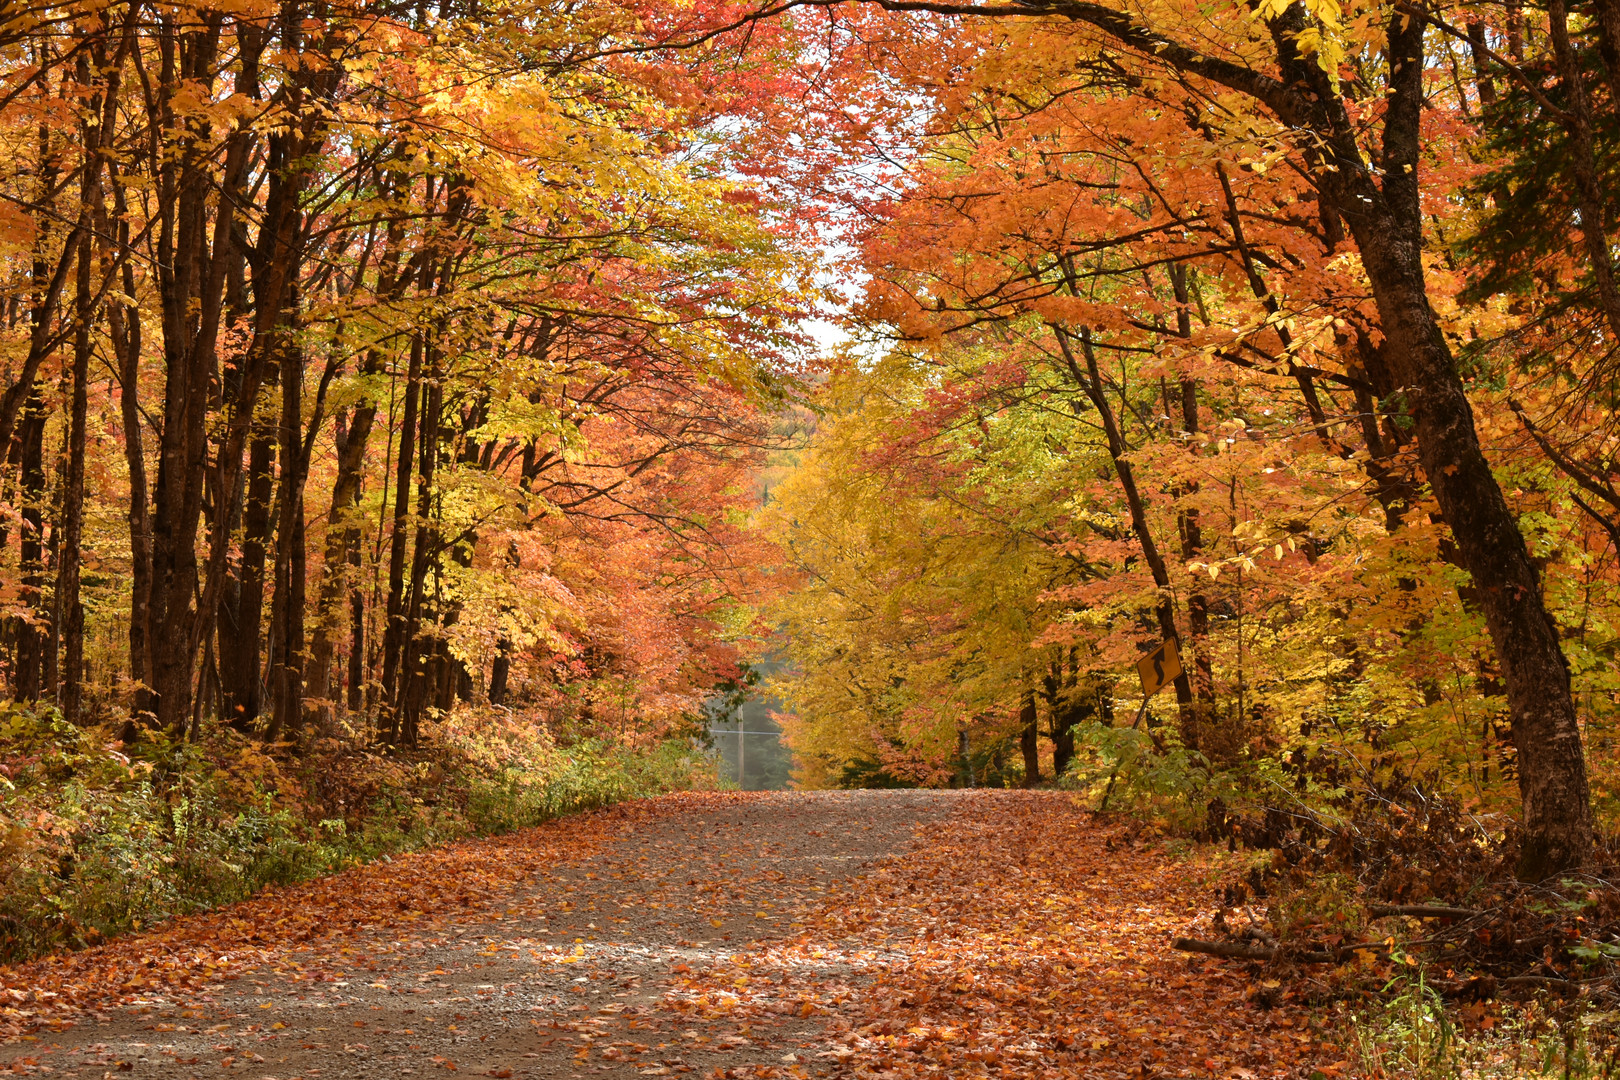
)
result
[(99, 116), (67, 579), (126, 343), (31, 631), (1387, 226), (357, 634), (1029, 739), (1061, 719), (342, 542), (1192, 543), (1552, 767), (393, 633), (1581, 156), (414, 680), (241, 627), (285, 674), (191, 262), (1608, 20), (500, 672)]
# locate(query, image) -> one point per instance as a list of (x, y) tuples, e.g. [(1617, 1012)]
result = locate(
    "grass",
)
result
[(1413, 1034)]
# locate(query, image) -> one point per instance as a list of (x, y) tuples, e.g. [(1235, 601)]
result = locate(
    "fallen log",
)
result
[(1421, 911), (1234, 951), (1229, 949)]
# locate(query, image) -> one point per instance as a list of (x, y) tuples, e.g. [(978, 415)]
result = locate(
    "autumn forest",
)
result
[(423, 422)]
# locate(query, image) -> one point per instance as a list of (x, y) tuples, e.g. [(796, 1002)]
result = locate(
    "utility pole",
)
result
[(742, 751)]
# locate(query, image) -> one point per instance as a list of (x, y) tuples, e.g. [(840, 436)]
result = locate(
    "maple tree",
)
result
[(1274, 255), (389, 255), (381, 390)]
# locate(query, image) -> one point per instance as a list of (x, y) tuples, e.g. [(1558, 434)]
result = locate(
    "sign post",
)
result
[(1157, 669)]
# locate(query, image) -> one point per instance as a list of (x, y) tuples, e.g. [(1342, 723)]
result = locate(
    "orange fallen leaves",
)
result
[(998, 949)]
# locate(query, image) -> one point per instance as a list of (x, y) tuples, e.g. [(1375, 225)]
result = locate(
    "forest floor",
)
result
[(878, 933)]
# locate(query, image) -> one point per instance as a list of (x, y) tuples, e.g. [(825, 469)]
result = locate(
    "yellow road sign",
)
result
[(1159, 667)]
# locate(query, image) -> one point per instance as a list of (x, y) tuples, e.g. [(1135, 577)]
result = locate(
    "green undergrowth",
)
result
[(98, 839), (1412, 1033)]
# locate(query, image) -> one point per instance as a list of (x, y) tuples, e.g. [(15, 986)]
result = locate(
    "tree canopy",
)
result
[(368, 365)]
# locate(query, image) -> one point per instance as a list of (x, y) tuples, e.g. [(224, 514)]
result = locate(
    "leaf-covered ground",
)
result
[(893, 934)]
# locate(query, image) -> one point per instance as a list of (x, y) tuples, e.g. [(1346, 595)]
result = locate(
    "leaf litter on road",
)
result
[(1020, 938)]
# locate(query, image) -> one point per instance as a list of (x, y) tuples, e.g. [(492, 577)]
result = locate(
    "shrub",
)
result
[(97, 839)]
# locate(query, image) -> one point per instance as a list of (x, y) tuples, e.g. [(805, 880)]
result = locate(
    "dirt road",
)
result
[(897, 933)]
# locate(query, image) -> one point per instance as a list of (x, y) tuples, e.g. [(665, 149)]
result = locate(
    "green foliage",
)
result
[(593, 774), (95, 841), (1169, 777), (1412, 1034), (1409, 1035)]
